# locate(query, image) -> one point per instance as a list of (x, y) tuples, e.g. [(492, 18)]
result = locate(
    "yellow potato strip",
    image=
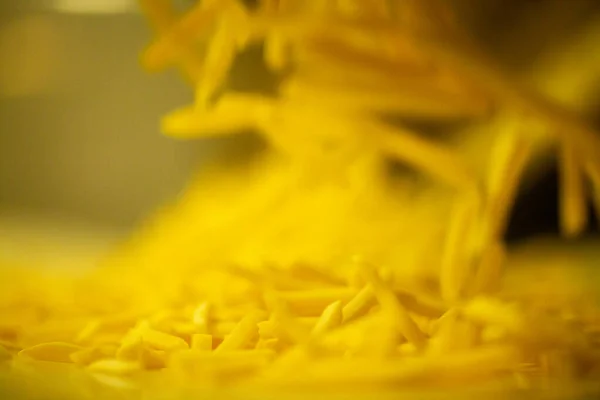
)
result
[(163, 341), (311, 303), (195, 23), (359, 304), (507, 163), (573, 207), (593, 171), (331, 318), (397, 314), (457, 257), (56, 352), (243, 333)]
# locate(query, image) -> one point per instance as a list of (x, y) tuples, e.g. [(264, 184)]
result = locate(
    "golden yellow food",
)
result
[(314, 270)]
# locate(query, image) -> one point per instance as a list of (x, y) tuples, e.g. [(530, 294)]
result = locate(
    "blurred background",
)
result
[(79, 119), (80, 146)]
